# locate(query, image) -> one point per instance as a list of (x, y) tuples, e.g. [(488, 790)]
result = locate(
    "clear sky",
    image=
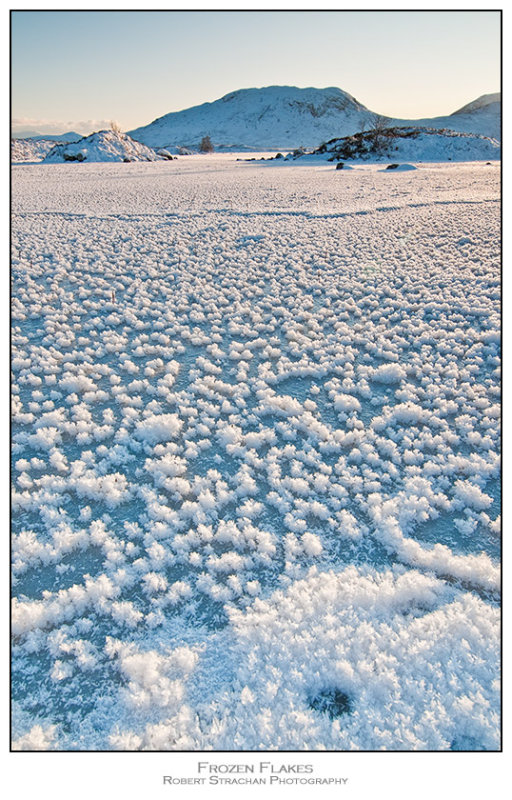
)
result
[(75, 70)]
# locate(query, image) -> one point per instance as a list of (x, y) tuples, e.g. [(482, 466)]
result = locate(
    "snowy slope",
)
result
[(23, 150), (286, 117), (410, 144), (275, 117), (102, 146)]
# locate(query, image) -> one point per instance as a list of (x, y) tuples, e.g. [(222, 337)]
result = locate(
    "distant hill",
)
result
[(70, 136), (482, 116), (486, 102), (286, 117)]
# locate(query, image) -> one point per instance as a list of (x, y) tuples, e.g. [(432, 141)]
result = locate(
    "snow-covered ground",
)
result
[(256, 456)]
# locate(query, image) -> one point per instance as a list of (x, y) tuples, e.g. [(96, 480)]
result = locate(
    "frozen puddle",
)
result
[(255, 457)]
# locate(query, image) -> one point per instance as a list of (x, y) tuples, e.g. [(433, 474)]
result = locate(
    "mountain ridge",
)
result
[(285, 117)]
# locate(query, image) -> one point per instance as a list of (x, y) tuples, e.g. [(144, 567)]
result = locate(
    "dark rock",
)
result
[(332, 702), (163, 153)]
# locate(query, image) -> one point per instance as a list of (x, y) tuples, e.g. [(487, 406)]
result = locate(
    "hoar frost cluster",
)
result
[(255, 457)]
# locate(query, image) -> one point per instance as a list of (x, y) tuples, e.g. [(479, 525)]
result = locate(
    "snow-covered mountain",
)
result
[(276, 117), (285, 117), (410, 144), (103, 146)]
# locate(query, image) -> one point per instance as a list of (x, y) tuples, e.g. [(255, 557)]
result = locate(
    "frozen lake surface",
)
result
[(256, 456)]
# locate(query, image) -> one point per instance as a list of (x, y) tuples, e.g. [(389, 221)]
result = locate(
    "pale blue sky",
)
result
[(78, 70)]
